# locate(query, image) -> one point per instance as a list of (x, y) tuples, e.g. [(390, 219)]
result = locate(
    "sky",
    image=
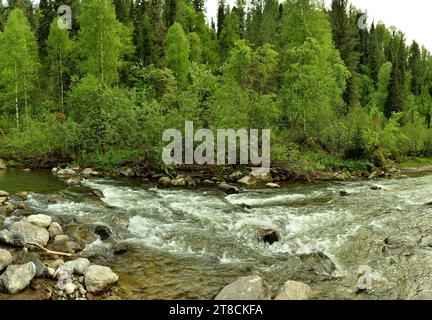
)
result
[(413, 17)]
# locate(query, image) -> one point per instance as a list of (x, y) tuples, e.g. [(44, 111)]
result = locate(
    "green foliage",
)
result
[(177, 52)]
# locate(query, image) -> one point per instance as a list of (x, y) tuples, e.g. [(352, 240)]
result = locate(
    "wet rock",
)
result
[(40, 220), (30, 232), (4, 194), (66, 172), (87, 172), (272, 185), (103, 232), (318, 263), (127, 172), (69, 288), (78, 266), (83, 234), (247, 181), (376, 188), (99, 278), (7, 208), (235, 176), (68, 246), (2, 164), (402, 240), (98, 193), (121, 248), (3, 200), (293, 290), (54, 171), (344, 194), (57, 263), (5, 259), (12, 239), (269, 236), (246, 288), (228, 189), (74, 181), (55, 229), (40, 267), (165, 182), (17, 277), (179, 181), (61, 237), (208, 182)]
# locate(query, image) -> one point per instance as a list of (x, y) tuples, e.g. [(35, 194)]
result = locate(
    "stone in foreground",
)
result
[(5, 259), (17, 277), (246, 288), (99, 278), (78, 266), (31, 233), (40, 220), (294, 290)]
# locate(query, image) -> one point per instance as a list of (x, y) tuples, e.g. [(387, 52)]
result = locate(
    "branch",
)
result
[(56, 253)]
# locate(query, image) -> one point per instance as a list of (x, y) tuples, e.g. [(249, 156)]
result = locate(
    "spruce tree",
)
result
[(177, 53), (220, 17)]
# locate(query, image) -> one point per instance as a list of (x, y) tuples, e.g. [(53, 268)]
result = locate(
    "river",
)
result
[(190, 243)]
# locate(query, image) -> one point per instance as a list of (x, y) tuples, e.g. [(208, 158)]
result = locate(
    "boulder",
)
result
[(54, 171), (4, 194), (30, 232), (12, 239), (61, 237), (246, 288), (235, 176), (262, 175), (228, 189), (269, 236), (293, 290), (66, 172), (99, 278), (54, 230), (68, 246), (17, 277), (103, 231), (343, 194), (2, 164), (78, 266), (40, 220), (87, 172), (3, 200), (165, 182), (402, 240), (247, 181), (127, 172), (179, 181), (272, 185), (40, 267), (376, 188), (208, 182), (98, 193), (5, 259), (318, 263), (74, 181)]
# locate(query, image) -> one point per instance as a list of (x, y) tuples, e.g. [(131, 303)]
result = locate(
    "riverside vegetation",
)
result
[(335, 96)]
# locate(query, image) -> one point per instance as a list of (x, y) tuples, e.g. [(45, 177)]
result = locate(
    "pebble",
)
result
[(69, 288)]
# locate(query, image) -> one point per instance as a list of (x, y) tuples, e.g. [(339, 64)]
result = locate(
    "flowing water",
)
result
[(190, 243)]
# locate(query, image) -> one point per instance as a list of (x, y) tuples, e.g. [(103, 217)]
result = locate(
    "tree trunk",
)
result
[(16, 98)]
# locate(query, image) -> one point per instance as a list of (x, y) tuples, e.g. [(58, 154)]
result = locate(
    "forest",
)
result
[(102, 92)]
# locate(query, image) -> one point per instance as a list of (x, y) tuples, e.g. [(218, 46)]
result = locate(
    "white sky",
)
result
[(413, 17)]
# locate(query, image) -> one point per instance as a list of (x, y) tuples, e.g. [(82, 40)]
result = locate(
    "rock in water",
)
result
[(269, 236), (40, 220), (272, 185), (165, 182), (78, 266), (54, 230), (236, 176), (98, 193), (87, 172), (5, 259), (12, 239), (343, 194), (66, 172), (2, 164), (293, 290), (248, 181), (99, 278), (228, 189), (30, 232), (103, 231), (246, 288), (318, 263), (17, 277), (127, 172)]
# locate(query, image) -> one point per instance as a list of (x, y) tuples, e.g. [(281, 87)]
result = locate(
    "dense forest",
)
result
[(103, 92)]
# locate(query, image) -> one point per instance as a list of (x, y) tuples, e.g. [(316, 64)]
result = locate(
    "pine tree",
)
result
[(220, 17), (123, 10), (59, 48), (345, 37), (169, 12), (414, 61), (18, 62), (199, 5), (102, 41), (2, 16), (177, 53)]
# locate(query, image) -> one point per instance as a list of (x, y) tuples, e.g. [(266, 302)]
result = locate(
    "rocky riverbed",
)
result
[(79, 234)]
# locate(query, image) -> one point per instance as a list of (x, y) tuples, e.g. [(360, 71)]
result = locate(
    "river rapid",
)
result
[(190, 243)]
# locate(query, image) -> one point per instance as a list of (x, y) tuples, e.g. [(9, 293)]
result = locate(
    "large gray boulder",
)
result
[(40, 220), (66, 172), (99, 278), (246, 288), (17, 277), (78, 266), (12, 239), (294, 290), (54, 230), (30, 232), (228, 189), (5, 259)]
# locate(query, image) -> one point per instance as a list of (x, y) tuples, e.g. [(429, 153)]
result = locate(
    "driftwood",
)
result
[(55, 253)]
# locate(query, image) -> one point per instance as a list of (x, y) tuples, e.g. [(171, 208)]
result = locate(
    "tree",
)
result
[(102, 41), (170, 11), (2, 16), (27, 7), (59, 48), (346, 38), (124, 11), (19, 63), (414, 65), (220, 17), (177, 52)]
